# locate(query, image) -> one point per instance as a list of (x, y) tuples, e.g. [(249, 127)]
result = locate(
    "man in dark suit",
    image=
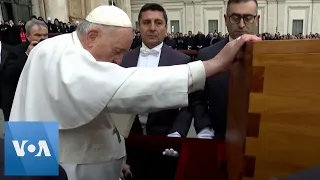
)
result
[(12, 67), (4, 53), (210, 110), (171, 42), (172, 122), (200, 40), (154, 53)]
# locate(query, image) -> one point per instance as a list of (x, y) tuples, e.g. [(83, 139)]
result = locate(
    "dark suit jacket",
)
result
[(210, 105), (167, 121), (5, 54), (9, 76), (136, 42), (11, 35)]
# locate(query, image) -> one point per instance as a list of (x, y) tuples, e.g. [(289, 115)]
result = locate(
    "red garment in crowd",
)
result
[(22, 36)]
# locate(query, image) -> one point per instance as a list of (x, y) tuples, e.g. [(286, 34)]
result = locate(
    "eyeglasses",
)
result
[(247, 18)]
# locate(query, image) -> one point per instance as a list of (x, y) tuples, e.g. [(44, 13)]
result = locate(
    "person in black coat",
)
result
[(211, 104), (12, 67), (170, 122), (10, 33), (171, 42), (5, 53)]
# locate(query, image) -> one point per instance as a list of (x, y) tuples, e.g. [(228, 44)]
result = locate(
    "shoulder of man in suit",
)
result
[(129, 53), (212, 50), (179, 56)]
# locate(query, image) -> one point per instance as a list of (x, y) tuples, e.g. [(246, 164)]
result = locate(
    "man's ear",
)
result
[(92, 35), (27, 36)]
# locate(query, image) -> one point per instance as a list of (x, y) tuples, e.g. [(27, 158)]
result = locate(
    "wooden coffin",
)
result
[(273, 127)]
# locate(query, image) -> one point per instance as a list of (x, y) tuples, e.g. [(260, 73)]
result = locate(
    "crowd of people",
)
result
[(14, 34), (200, 40)]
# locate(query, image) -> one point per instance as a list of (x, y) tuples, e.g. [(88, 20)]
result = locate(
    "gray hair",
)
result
[(84, 27), (34, 22)]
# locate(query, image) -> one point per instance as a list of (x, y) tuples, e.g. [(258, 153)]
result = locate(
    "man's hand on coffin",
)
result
[(225, 58), (170, 152)]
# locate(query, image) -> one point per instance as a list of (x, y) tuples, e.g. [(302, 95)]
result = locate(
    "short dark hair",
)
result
[(153, 7), (240, 1)]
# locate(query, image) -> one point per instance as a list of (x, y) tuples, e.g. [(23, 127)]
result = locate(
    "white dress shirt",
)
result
[(148, 58)]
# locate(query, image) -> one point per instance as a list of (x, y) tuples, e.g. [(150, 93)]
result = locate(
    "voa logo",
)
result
[(31, 148)]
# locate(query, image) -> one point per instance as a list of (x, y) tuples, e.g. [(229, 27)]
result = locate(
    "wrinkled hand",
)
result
[(126, 172), (31, 46), (231, 50), (225, 58), (170, 152)]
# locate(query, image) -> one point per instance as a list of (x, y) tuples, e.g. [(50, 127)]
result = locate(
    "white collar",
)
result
[(230, 39), (157, 48)]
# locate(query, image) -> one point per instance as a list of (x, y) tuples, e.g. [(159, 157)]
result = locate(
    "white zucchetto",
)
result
[(110, 16)]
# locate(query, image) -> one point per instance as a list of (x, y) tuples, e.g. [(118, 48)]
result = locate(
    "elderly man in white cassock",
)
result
[(74, 79)]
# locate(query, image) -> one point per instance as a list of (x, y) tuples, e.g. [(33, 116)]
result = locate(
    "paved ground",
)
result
[(192, 132)]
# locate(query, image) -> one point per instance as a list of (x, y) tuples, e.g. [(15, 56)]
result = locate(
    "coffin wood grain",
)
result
[(288, 105)]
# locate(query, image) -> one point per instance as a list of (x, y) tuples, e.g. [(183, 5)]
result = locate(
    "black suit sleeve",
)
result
[(216, 91), (183, 120), (198, 104), (14, 66)]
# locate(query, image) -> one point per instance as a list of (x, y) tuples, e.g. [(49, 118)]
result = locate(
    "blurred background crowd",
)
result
[(14, 34)]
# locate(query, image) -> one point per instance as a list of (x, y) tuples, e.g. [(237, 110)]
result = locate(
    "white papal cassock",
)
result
[(61, 81)]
